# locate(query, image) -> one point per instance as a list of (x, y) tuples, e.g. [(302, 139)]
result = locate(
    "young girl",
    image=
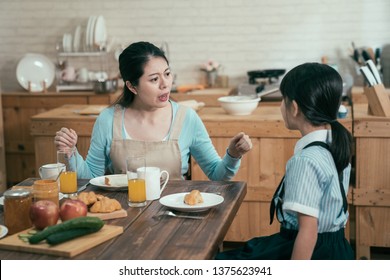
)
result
[(310, 202)]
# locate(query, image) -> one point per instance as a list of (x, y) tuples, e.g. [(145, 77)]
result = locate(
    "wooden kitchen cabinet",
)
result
[(371, 197), (262, 168), (18, 108)]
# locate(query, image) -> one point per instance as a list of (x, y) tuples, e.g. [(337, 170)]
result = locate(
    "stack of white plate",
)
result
[(95, 33), (77, 39), (67, 42)]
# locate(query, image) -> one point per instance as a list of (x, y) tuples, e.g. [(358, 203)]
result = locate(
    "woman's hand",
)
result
[(239, 145), (65, 138)]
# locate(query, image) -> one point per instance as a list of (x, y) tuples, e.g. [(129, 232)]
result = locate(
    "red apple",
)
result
[(44, 213), (72, 208)]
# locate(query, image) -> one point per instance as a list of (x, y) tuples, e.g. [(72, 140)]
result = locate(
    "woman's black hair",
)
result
[(317, 89), (131, 66)]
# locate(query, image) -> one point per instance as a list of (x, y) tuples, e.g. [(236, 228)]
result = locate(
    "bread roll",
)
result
[(193, 198)]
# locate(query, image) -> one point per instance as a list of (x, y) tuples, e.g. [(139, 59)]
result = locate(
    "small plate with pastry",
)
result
[(116, 182), (102, 206), (194, 201)]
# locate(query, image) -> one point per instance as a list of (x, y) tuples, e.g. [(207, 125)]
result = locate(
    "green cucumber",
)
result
[(59, 237), (79, 222)]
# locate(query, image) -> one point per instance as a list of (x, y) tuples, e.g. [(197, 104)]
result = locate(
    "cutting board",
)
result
[(67, 249), (108, 216), (92, 110), (216, 91)]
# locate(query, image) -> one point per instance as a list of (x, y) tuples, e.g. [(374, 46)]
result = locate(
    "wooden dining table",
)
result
[(147, 236)]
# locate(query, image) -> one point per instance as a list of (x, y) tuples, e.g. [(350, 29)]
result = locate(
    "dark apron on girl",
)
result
[(279, 246)]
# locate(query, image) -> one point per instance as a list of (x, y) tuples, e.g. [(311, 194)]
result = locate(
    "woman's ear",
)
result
[(131, 87), (295, 108)]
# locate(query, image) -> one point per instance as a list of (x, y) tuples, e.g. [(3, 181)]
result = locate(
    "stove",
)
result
[(263, 83)]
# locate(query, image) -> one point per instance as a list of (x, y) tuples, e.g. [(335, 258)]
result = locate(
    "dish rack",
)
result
[(77, 86)]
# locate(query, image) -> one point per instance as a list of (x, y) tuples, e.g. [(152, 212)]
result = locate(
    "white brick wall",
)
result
[(241, 34)]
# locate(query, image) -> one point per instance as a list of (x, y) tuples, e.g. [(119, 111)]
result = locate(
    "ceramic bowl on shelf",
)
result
[(239, 105)]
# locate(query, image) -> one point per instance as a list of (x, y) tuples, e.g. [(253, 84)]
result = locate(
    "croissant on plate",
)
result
[(193, 198), (98, 203), (105, 205)]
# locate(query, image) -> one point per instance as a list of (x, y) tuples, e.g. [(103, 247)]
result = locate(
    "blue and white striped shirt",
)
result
[(312, 185)]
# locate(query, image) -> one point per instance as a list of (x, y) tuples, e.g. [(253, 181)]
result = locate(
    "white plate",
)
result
[(176, 202), (87, 31), (3, 231), (77, 39), (99, 182), (60, 196), (91, 32), (35, 68), (100, 32)]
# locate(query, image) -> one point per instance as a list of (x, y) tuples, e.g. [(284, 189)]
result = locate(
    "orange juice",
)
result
[(137, 191), (68, 182)]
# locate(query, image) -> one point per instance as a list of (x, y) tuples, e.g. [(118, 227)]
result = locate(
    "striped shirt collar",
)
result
[(322, 135)]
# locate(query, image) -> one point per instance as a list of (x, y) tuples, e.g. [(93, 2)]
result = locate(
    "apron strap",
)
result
[(177, 123), (277, 199), (118, 123), (276, 204), (341, 174)]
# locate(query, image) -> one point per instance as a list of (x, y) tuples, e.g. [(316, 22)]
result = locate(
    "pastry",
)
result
[(88, 198), (105, 205), (193, 198), (98, 203)]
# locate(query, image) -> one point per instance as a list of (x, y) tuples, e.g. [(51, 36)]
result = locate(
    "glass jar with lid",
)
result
[(46, 190), (17, 205)]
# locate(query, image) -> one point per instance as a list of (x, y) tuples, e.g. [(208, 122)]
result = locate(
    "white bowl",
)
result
[(239, 105)]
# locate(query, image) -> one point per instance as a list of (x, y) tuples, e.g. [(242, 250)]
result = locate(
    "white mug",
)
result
[(51, 170), (68, 74), (152, 176), (82, 75)]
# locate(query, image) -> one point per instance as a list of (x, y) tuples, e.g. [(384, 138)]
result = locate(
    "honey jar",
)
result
[(46, 190), (17, 205)]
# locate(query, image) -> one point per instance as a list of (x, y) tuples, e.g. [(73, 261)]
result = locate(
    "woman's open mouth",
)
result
[(164, 97)]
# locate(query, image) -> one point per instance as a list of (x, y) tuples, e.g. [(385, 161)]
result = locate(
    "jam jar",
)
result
[(17, 205), (46, 190)]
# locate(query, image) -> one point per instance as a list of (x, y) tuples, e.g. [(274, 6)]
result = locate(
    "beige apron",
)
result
[(163, 154)]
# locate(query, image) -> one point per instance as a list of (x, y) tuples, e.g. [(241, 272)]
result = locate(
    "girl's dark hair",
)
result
[(131, 66), (317, 89)]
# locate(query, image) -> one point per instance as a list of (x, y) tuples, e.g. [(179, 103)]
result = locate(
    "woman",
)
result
[(145, 119), (310, 202)]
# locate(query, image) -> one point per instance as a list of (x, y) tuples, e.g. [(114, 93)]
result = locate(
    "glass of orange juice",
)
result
[(136, 186), (68, 176)]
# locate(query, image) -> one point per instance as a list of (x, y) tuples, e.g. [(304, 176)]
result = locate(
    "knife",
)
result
[(368, 75), (377, 55), (83, 187), (370, 64), (366, 55)]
